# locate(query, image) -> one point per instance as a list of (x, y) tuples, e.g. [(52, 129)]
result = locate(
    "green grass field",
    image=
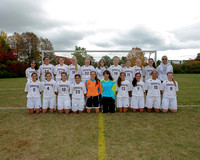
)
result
[(127, 136)]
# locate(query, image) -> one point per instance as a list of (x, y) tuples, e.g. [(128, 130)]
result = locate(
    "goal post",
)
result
[(149, 52)]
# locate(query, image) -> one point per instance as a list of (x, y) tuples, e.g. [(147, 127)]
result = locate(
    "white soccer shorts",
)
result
[(34, 103), (169, 103), (78, 105), (153, 102), (137, 102), (122, 102), (49, 102), (64, 103)]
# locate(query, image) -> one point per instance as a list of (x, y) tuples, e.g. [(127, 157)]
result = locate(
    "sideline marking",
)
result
[(101, 145)]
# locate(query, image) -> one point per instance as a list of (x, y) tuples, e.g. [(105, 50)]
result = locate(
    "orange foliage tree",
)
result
[(137, 55)]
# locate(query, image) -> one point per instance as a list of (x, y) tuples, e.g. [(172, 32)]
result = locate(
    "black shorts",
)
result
[(92, 102)]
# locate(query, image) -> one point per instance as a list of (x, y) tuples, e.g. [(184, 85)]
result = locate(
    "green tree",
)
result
[(108, 60), (4, 41)]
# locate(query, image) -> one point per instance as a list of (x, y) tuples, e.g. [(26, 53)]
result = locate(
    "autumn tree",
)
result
[(137, 55), (4, 41)]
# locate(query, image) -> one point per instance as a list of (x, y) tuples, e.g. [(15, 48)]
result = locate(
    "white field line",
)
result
[(6, 108)]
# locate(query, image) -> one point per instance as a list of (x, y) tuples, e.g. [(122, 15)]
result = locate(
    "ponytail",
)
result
[(119, 81), (134, 82), (96, 79)]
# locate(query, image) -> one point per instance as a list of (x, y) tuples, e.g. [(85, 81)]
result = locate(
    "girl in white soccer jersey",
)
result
[(49, 96), (115, 69), (78, 94), (169, 88), (128, 70), (123, 91), (33, 90), (63, 91), (153, 92), (148, 69), (138, 68), (33, 68), (86, 69), (100, 69), (61, 67), (137, 101), (73, 69), (46, 67)]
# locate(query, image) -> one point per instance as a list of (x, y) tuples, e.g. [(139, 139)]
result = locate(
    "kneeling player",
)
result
[(169, 88), (153, 92), (49, 96), (137, 101), (33, 90), (78, 94), (123, 91), (93, 88), (62, 90)]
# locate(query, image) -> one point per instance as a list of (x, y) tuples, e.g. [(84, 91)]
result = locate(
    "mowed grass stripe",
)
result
[(101, 146)]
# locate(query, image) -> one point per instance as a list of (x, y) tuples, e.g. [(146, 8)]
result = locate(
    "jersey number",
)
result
[(123, 88), (63, 89), (155, 87), (78, 91)]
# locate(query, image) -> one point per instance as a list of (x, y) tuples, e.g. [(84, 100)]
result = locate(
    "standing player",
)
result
[(115, 69), (129, 74), (78, 94), (61, 67), (123, 91), (33, 90), (73, 69), (63, 90), (163, 69), (49, 96), (86, 69), (148, 69), (137, 101), (108, 92), (138, 68), (93, 88), (46, 67), (33, 68), (153, 92), (169, 88), (100, 69)]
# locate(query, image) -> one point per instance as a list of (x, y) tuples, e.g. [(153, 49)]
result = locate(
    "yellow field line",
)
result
[(101, 146)]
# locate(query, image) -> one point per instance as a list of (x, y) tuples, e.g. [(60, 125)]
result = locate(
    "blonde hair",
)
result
[(140, 62), (172, 78), (76, 65)]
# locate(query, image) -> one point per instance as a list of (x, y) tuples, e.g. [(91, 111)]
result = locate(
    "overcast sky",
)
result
[(172, 27)]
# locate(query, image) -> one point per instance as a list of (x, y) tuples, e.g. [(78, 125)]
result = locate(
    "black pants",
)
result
[(108, 104)]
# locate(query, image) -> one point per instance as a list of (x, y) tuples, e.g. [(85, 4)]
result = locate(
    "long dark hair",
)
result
[(154, 64), (134, 82), (108, 72), (96, 79), (36, 66), (99, 66), (119, 81)]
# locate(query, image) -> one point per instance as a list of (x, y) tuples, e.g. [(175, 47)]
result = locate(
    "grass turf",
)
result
[(127, 136)]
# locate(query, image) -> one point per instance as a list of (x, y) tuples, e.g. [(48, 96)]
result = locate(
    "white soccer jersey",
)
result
[(72, 72), (122, 91), (78, 90), (129, 73), (49, 88), (29, 72), (85, 72), (153, 87), (169, 89), (147, 72), (59, 69), (138, 90), (63, 89), (33, 89), (46, 68), (137, 69), (100, 72), (115, 71)]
